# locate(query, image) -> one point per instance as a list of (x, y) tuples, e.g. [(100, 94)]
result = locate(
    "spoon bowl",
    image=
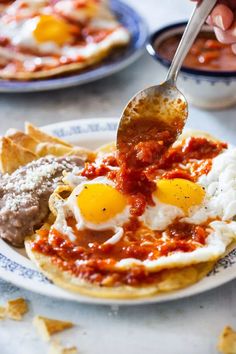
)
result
[(150, 112)]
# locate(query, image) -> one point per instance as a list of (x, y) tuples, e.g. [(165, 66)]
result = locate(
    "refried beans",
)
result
[(25, 193)]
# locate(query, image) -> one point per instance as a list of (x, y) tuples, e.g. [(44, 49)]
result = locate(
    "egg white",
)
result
[(67, 8), (220, 237), (161, 215), (60, 223), (220, 187), (26, 8)]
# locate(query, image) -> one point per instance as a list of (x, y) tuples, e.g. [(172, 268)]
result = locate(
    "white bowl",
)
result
[(204, 88)]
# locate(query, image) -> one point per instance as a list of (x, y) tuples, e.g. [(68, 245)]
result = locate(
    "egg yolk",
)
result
[(52, 29), (99, 203), (179, 192)]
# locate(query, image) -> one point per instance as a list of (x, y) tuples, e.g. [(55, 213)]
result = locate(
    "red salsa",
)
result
[(206, 53), (100, 258)]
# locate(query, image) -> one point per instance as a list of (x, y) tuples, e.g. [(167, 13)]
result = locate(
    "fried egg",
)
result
[(53, 37), (45, 38), (173, 198), (212, 197), (97, 205), (45, 33)]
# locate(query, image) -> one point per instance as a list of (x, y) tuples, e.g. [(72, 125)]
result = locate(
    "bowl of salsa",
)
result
[(208, 75)]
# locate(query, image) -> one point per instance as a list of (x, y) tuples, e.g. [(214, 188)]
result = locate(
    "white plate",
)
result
[(16, 268)]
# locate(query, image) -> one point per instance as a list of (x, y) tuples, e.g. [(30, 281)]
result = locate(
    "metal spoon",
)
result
[(158, 114)]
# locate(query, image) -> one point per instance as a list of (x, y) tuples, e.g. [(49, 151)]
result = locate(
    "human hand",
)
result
[(223, 20)]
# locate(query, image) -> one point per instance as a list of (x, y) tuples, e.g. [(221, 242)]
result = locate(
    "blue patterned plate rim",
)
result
[(19, 270), (139, 34)]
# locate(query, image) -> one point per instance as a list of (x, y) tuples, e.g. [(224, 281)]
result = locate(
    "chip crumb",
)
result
[(2, 312), (48, 326), (57, 348), (227, 341), (16, 308)]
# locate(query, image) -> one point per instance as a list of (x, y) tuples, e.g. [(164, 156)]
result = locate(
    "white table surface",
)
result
[(188, 326)]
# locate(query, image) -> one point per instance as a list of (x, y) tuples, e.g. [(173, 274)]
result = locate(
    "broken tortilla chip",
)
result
[(44, 149), (24, 140), (83, 153), (2, 312), (39, 135), (57, 348), (227, 341), (16, 308), (12, 156), (48, 326)]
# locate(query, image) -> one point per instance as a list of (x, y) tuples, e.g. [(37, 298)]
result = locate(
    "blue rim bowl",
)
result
[(196, 72)]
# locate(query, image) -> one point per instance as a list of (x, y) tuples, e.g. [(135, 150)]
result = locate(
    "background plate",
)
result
[(15, 267), (139, 32)]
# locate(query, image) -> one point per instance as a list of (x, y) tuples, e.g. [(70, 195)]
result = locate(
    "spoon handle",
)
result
[(199, 16)]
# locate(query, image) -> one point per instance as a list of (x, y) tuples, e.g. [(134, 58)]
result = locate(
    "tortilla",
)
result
[(58, 71), (170, 280)]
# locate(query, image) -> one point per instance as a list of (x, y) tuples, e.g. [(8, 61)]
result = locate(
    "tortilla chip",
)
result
[(227, 341), (47, 326), (57, 196), (57, 348), (83, 153), (24, 140), (107, 148), (39, 135), (12, 156), (44, 149), (16, 309), (2, 312)]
